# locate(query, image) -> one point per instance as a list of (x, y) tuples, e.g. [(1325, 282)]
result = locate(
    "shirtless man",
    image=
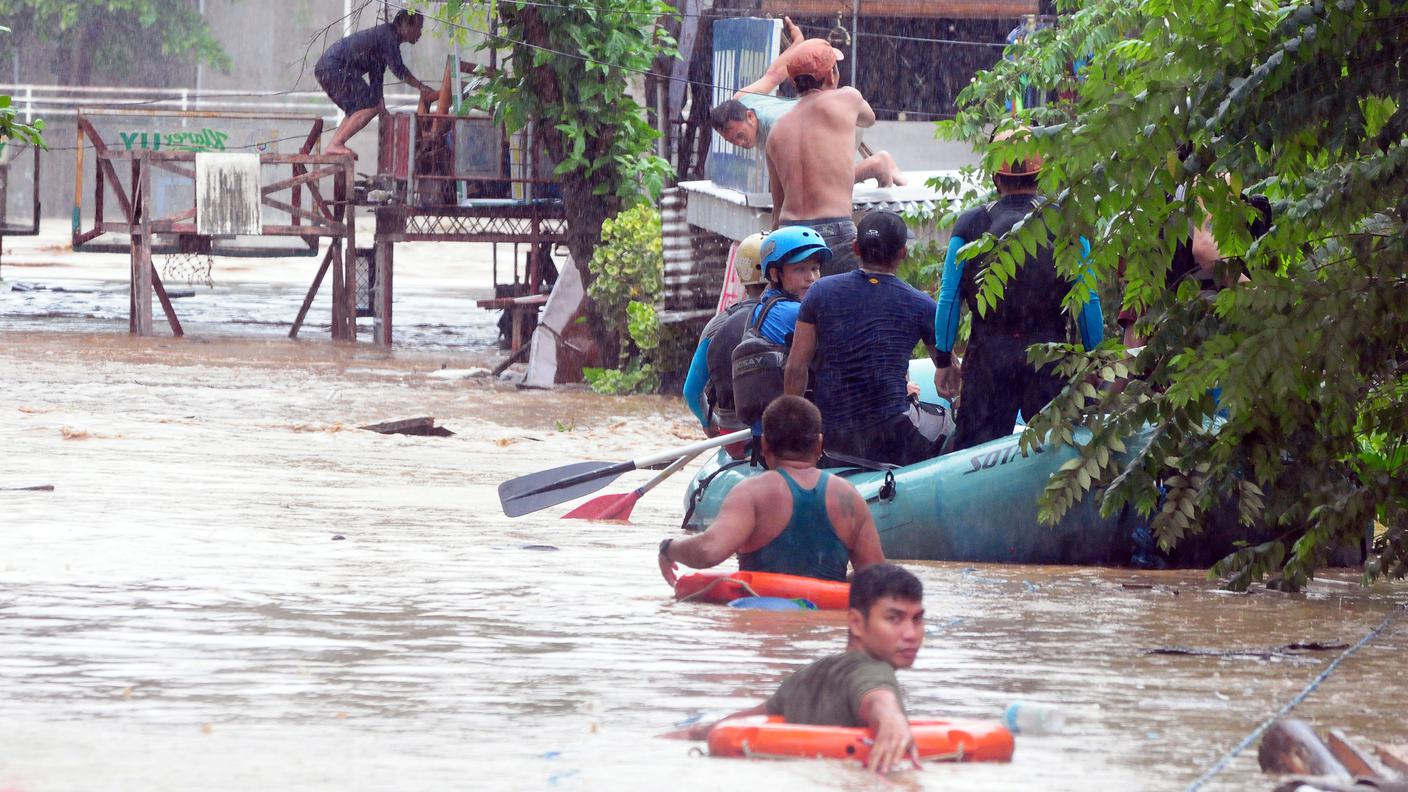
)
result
[(809, 152), (746, 119), (773, 523)]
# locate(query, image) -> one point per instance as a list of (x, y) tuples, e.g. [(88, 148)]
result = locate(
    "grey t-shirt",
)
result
[(768, 109), (829, 691)]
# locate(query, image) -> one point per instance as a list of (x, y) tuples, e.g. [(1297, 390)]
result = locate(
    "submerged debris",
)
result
[(1285, 650), (423, 427)]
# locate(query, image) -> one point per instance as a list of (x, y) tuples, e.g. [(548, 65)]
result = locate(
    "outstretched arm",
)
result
[(881, 711), (731, 528), (777, 70)]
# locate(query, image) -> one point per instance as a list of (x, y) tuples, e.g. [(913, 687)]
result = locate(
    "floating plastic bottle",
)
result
[(1030, 717)]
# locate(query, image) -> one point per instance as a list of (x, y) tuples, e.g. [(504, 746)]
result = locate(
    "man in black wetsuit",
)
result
[(351, 73), (997, 380)]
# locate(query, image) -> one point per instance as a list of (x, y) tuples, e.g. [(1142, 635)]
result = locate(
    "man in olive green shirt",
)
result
[(857, 688)]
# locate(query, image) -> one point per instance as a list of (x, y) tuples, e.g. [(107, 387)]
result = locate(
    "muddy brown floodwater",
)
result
[(177, 613)]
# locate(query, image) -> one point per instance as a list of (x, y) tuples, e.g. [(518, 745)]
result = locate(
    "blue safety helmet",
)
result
[(791, 244)]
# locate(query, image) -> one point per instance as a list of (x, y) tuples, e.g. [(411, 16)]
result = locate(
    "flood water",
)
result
[(179, 612)]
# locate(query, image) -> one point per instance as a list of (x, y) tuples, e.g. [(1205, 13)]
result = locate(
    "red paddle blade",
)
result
[(605, 507)]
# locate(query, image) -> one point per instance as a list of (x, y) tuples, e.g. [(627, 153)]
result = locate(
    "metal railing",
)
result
[(63, 101)]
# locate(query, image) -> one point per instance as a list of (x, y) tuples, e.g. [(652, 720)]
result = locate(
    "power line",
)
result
[(643, 72)]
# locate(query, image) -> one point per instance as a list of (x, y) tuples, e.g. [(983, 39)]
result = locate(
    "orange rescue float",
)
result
[(722, 588), (768, 736)]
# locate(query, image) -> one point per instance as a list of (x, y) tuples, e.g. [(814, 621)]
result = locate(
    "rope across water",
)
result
[(1295, 701)]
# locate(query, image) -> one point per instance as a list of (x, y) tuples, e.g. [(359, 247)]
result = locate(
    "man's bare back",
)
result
[(811, 155)]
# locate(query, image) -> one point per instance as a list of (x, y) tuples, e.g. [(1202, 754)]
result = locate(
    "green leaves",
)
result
[(1281, 400)]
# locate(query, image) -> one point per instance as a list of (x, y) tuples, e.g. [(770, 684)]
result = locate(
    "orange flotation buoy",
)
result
[(722, 588), (768, 736)]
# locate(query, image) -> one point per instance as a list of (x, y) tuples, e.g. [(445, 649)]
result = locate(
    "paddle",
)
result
[(618, 507), (527, 494)]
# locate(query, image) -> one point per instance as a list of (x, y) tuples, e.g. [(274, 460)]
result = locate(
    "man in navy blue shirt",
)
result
[(861, 328), (352, 70)]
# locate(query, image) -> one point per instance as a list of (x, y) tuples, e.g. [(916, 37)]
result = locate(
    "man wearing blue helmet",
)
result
[(792, 258)]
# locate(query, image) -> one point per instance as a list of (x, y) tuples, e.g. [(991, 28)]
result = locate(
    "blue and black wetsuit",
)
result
[(808, 546), (997, 380), (711, 370)]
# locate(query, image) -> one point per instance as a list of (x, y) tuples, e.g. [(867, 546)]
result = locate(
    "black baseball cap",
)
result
[(881, 235)]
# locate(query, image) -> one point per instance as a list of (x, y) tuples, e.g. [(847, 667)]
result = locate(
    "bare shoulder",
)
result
[(846, 95)]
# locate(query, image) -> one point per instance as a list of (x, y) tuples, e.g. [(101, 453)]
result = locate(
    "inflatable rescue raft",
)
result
[(978, 504), (767, 736)]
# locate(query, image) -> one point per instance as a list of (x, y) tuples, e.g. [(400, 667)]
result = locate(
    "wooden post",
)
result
[(381, 300), (313, 292), (140, 322), (349, 261), (338, 287)]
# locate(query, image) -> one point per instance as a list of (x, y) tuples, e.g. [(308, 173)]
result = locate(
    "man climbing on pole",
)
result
[(351, 73)]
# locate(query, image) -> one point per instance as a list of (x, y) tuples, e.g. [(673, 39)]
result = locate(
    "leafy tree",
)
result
[(1280, 402), (568, 71), (11, 128), (108, 40)]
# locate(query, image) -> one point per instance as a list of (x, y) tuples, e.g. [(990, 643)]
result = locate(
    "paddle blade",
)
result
[(535, 491), (606, 507)]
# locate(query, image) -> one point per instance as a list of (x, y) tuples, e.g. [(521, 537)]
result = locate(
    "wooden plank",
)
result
[(1395, 756), (942, 9), (140, 322), (166, 304), (299, 178), (381, 299), (314, 135), (296, 213), (343, 198), (335, 249), (312, 292), (105, 159)]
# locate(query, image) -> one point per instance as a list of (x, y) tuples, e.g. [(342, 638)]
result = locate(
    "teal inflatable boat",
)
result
[(979, 504)]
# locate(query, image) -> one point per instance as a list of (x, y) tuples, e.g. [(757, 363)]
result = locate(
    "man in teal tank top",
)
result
[(793, 520), (858, 688)]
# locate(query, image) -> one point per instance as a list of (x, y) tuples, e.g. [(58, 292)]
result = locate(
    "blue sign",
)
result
[(743, 49)]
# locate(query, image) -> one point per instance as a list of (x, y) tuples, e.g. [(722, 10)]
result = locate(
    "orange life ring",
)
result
[(770, 736), (722, 588)]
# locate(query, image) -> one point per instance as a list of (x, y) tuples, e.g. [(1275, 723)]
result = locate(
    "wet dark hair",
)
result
[(406, 18), (1003, 182), (727, 112), (791, 425), (872, 583), (807, 82)]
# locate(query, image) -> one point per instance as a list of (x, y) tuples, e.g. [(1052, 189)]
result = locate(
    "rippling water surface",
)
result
[(179, 612)]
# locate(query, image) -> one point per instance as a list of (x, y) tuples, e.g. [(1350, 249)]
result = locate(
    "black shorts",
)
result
[(350, 92)]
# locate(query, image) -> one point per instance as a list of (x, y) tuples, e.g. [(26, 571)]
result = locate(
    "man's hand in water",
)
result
[(947, 381), (668, 569), (880, 708)]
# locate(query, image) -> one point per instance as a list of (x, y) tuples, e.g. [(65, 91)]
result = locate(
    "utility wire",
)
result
[(643, 72)]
